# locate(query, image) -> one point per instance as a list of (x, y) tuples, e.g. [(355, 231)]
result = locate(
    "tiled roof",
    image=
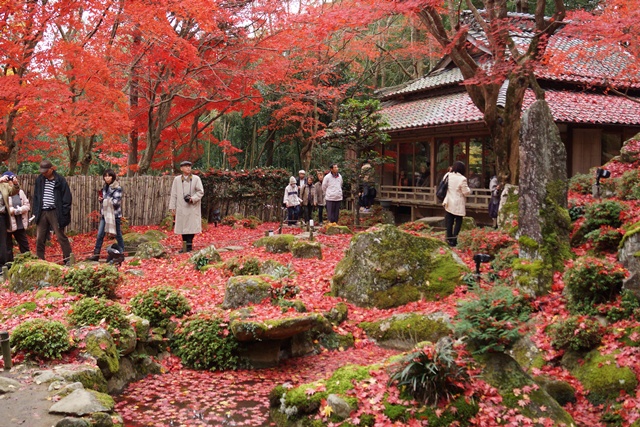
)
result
[(568, 107), (434, 80)]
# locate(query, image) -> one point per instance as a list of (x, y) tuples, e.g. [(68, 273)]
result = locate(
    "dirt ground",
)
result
[(28, 406)]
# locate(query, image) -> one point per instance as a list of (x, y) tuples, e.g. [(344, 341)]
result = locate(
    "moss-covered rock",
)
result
[(334, 229), (509, 208), (155, 235), (386, 267), (278, 329), (245, 290), (133, 240), (527, 354), (504, 373), (468, 223), (561, 391), (306, 249), (48, 294), (34, 274), (208, 255), (276, 244), (603, 378), (152, 249), (404, 331), (337, 314), (100, 345), (140, 326)]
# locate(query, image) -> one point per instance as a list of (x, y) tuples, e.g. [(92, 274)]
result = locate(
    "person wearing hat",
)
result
[(18, 219), (185, 204), (52, 209), (292, 201), (301, 181), (8, 188)]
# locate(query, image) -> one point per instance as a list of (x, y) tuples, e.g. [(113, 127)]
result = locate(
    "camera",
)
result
[(187, 198)]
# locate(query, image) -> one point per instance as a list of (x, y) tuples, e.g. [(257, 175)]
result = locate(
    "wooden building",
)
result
[(433, 122)]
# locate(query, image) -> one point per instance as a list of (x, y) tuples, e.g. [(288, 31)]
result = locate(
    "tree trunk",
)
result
[(157, 119)]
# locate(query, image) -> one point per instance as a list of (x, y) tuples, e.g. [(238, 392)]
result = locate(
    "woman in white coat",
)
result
[(455, 201), (185, 205)]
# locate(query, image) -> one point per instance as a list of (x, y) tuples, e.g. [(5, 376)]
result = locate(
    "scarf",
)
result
[(108, 212)]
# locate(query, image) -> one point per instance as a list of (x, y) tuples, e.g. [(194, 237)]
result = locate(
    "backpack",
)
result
[(441, 191)]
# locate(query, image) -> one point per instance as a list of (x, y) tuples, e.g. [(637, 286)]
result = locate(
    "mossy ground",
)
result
[(411, 327), (604, 379), (276, 244)]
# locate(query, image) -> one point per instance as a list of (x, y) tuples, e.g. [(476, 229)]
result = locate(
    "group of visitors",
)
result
[(302, 196)]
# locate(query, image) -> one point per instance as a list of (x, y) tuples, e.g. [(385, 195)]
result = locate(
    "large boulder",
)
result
[(91, 377), (34, 274), (100, 345), (629, 253), (133, 240), (306, 249), (404, 331), (279, 329), (503, 372), (81, 402), (276, 244), (152, 249), (245, 290), (543, 219), (385, 267)]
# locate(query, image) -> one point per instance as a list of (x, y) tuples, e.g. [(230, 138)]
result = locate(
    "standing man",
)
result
[(184, 204), (332, 188), (52, 208)]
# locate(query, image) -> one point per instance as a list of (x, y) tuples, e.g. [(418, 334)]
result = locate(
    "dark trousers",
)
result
[(293, 213), (320, 212), (187, 240), (308, 210), (3, 239), (21, 237), (101, 234), (49, 220), (333, 210), (453, 224)]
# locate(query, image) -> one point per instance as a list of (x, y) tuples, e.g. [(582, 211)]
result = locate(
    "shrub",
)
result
[(581, 183), (416, 227), (41, 338), (94, 281), (603, 213), (159, 305), (577, 333), (204, 342), (575, 212), (492, 321), (92, 311), (629, 303), (605, 239), (238, 220), (592, 281), (503, 260), (432, 374), (243, 266), (627, 186), (484, 240)]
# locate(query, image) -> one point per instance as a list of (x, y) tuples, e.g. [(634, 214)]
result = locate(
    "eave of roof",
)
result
[(566, 107)]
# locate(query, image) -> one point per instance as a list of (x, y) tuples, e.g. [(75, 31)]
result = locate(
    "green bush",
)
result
[(592, 281), (204, 342), (604, 239), (431, 375), (575, 212), (492, 321), (601, 214), (629, 304), (159, 305), (243, 266), (41, 338), (92, 311), (503, 260), (627, 186), (94, 281), (577, 333), (581, 183)]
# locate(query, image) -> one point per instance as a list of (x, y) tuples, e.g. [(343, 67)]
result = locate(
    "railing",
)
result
[(426, 196)]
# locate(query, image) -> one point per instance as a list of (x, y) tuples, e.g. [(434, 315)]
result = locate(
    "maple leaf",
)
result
[(326, 411)]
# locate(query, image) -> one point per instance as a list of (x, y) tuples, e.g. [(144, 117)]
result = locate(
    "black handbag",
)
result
[(441, 191)]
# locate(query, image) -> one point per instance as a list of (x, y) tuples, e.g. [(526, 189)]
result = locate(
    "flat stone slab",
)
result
[(247, 330), (231, 248), (433, 221), (80, 402)]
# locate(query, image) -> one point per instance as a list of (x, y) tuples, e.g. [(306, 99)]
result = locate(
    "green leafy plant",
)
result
[(93, 311), (605, 238), (627, 186), (576, 333), (41, 338), (204, 342), (629, 304), (432, 374), (597, 215), (159, 305), (94, 281), (492, 321), (592, 281), (243, 266), (575, 212)]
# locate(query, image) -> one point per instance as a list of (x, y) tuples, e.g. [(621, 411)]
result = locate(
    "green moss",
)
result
[(34, 275), (603, 378), (509, 211), (105, 352), (333, 230), (458, 410), (45, 293), (396, 412), (396, 296), (23, 308), (528, 243), (91, 379), (155, 235), (276, 244), (410, 327), (337, 314), (104, 399), (444, 278), (631, 231), (305, 249)]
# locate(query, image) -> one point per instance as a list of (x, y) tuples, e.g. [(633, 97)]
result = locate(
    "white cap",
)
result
[(301, 171)]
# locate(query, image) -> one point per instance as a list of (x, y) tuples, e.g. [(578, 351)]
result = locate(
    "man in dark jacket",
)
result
[(51, 208)]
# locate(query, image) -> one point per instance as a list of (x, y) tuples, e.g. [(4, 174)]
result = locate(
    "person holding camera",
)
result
[(110, 199), (185, 204)]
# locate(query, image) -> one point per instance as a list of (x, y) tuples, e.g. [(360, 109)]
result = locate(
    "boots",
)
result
[(94, 257)]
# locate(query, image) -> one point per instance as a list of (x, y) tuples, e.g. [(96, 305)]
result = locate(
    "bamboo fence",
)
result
[(145, 201)]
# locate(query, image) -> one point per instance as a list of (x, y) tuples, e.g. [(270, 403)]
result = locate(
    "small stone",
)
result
[(73, 422), (8, 385), (339, 406)]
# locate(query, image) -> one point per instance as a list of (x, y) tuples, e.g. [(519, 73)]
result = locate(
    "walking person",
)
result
[(292, 201), (110, 198), (18, 219), (52, 209), (8, 188), (332, 188), (308, 199), (455, 201), (185, 205), (494, 202), (320, 203)]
